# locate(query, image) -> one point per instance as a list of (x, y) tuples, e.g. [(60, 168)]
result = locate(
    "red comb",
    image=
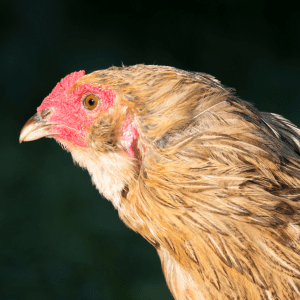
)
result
[(67, 82), (62, 87)]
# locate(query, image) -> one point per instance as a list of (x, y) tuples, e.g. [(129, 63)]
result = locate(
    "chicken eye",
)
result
[(91, 101)]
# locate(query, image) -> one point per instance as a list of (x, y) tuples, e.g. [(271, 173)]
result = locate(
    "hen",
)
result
[(212, 183)]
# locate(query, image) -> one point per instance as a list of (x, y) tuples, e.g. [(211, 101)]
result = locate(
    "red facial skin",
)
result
[(71, 119), (130, 134)]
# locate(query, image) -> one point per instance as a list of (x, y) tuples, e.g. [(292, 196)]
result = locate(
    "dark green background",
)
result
[(59, 238)]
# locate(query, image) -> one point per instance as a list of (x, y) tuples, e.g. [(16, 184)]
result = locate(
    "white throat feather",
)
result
[(110, 172)]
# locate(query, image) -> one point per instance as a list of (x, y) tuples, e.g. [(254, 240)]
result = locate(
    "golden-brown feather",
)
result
[(217, 186)]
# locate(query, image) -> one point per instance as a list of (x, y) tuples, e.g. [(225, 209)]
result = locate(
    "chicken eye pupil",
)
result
[(91, 102)]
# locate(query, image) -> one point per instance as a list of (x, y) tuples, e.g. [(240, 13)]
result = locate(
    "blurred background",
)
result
[(59, 238)]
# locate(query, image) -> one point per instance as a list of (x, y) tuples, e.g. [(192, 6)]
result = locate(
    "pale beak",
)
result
[(36, 127)]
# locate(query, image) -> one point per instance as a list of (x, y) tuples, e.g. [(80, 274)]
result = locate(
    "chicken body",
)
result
[(212, 183)]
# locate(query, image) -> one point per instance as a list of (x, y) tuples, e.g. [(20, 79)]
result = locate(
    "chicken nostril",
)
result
[(45, 113)]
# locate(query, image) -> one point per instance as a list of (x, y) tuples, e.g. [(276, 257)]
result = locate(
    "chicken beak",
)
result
[(35, 128)]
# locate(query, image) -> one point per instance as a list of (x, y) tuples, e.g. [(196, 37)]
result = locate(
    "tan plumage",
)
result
[(214, 185)]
